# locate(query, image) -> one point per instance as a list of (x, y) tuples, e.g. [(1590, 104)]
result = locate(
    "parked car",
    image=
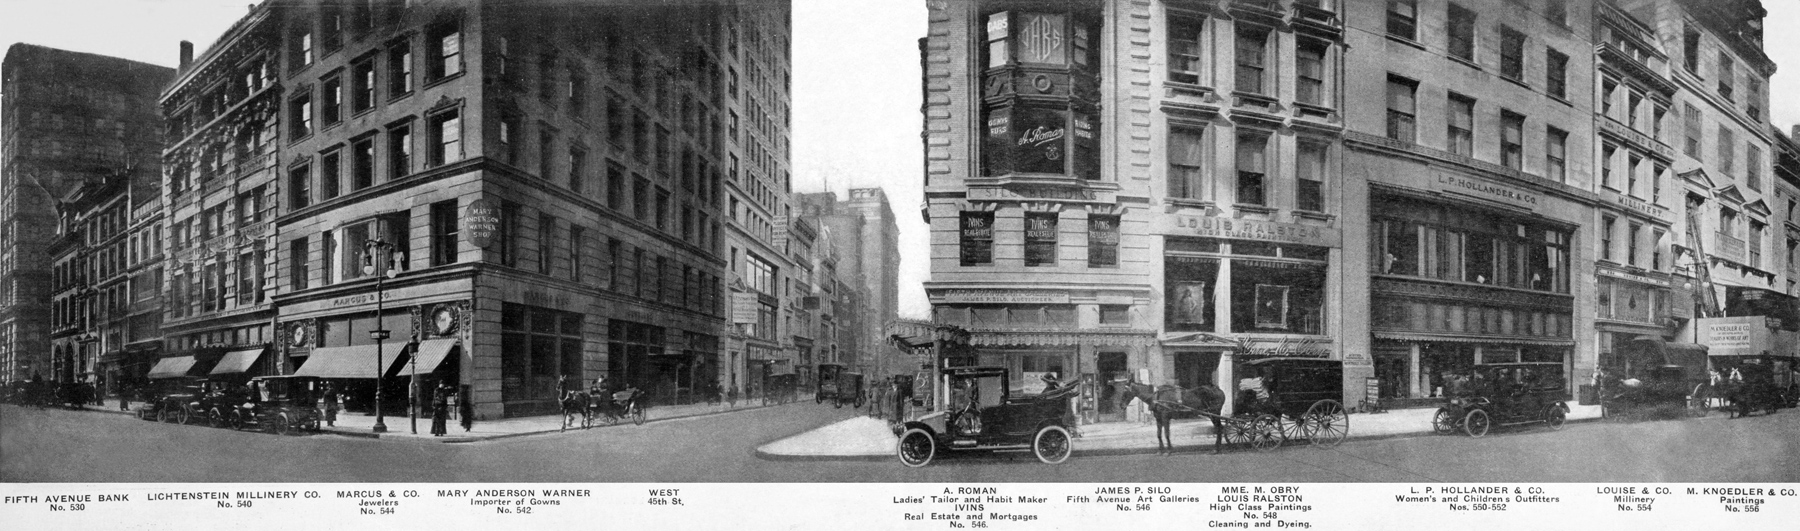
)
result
[(279, 404), (982, 416), (1504, 394)]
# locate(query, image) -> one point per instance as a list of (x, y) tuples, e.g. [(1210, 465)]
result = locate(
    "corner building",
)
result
[(525, 195), (1139, 189)]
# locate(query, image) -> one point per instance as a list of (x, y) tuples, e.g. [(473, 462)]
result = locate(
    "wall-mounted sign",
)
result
[(1734, 336), (481, 220), (744, 307), (1032, 193), (1250, 229), (1292, 347), (1006, 296), (1482, 189), (1636, 205)]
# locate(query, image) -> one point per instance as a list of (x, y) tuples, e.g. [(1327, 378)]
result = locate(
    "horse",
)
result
[(1169, 401), (574, 404)]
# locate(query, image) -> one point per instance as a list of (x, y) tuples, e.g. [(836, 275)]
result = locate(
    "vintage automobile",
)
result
[(215, 402), (828, 383), (1504, 394), (981, 416), (279, 404), (170, 399), (1306, 394)]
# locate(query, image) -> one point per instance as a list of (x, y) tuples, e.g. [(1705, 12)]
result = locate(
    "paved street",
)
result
[(63, 446)]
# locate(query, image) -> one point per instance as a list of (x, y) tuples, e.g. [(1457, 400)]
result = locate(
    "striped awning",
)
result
[(356, 361), (430, 355), (1403, 336), (172, 367)]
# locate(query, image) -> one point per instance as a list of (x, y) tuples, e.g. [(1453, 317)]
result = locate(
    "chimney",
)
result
[(1795, 132), (187, 53)]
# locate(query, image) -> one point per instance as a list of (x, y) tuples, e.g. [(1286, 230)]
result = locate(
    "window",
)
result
[(1040, 238), (640, 198), (362, 85), (577, 238), (640, 135), (1402, 109), (399, 151), (1403, 19), (330, 174), (400, 70), (546, 149), (1656, 247), (1608, 91), (1753, 167), (1633, 230), (1690, 49), (977, 238), (1512, 140), (299, 187), (300, 115), (444, 232), (1252, 167), (615, 186), (1727, 151), (1103, 241), (1462, 32), (546, 231), (328, 253), (332, 108), (1631, 173), (1607, 223), (508, 233), (362, 163), (1252, 47), (446, 49), (1309, 66), (302, 44), (1512, 53), (296, 264), (1556, 70), (1727, 75), (577, 168), (1656, 180), (577, 84), (1692, 128), (446, 138), (1658, 113), (509, 145), (1606, 165), (1309, 173), (615, 121), (661, 214), (1753, 96), (1633, 101), (1755, 244), (1185, 149), (1556, 154), (615, 254), (1461, 125), (1185, 36)]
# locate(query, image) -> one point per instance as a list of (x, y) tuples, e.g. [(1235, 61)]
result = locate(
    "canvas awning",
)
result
[(1401, 336), (238, 362), (356, 361), (172, 367), (430, 354)]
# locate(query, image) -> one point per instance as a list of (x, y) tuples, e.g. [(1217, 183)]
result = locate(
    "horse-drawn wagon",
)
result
[(1279, 399)]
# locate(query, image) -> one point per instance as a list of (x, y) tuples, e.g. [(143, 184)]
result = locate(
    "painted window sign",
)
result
[(1041, 39)]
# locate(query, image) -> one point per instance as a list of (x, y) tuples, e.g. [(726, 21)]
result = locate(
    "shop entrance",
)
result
[(1110, 366), (1194, 369)]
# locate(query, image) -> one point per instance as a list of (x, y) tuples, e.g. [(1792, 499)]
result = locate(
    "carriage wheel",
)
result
[(284, 425), (916, 448), (1051, 445), (1555, 417), (1444, 421), (861, 399), (1265, 432), (1476, 423), (1325, 423), (638, 415), (818, 398)]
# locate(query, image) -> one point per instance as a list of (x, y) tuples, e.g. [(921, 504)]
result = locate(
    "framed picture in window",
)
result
[(1190, 303), (1271, 306)]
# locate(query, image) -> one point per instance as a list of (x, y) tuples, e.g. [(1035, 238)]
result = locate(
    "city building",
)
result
[(106, 307), (512, 199), (867, 237), (70, 118)]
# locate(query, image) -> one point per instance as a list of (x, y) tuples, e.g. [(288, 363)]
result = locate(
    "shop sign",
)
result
[(1636, 205), (1254, 230), (1634, 278), (1036, 193), (481, 220), (1734, 336), (1006, 296), (545, 299), (744, 307), (1291, 347), (1449, 183)]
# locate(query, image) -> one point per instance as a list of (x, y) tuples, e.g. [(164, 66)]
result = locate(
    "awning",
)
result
[(238, 362), (1474, 339), (1061, 338), (430, 354), (173, 367), (356, 361)]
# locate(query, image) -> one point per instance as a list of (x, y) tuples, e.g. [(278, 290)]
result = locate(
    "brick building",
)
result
[(106, 303), (867, 238), (70, 117)]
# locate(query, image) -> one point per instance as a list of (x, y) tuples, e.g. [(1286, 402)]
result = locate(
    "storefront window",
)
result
[(1277, 297), (1040, 238), (1461, 245), (1190, 284)]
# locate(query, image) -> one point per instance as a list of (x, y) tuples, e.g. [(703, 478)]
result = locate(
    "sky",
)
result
[(856, 85)]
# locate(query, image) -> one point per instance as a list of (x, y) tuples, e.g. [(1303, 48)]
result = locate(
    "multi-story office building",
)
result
[(524, 197), (106, 307), (69, 117), (867, 237)]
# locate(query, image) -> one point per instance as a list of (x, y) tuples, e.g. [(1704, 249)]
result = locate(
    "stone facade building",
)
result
[(867, 238), (70, 118), (106, 304)]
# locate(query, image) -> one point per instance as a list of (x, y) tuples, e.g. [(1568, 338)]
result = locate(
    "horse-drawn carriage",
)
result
[(1667, 391), (982, 415), (587, 408), (1504, 394), (1754, 383), (1279, 399)]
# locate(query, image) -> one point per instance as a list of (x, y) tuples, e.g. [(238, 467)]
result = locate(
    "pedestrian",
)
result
[(440, 410), (124, 399), (329, 404), (466, 411)]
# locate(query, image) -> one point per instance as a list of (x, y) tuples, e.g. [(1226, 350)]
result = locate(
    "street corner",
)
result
[(858, 438)]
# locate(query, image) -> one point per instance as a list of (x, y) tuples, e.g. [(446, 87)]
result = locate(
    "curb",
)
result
[(472, 439), (1102, 452)]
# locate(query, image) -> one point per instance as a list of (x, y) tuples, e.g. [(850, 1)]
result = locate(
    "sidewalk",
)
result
[(868, 438), (400, 427)]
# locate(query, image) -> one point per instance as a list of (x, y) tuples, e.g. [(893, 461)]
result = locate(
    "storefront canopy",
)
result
[(430, 355), (357, 361), (237, 362), (172, 367)]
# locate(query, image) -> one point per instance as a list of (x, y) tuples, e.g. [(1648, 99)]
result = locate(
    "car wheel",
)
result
[(638, 415), (1476, 423), (236, 420), (1444, 421), (917, 447), (818, 398), (284, 425), (1051, 445), (215, 418), (1325, 423), (162, 415), (183, 416), (1555, 417)]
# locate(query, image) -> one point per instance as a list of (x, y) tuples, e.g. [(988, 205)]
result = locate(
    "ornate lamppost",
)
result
[(379, 334)]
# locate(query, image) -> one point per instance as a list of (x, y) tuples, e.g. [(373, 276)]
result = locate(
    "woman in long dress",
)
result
[(440, 410)]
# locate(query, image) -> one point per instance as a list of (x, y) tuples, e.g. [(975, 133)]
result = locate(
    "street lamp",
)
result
[(380, 335)]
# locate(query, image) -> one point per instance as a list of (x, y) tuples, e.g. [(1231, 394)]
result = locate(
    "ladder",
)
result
[(1709, 298)]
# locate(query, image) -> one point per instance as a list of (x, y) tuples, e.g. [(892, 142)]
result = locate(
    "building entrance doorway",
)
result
[(1109, 367)]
